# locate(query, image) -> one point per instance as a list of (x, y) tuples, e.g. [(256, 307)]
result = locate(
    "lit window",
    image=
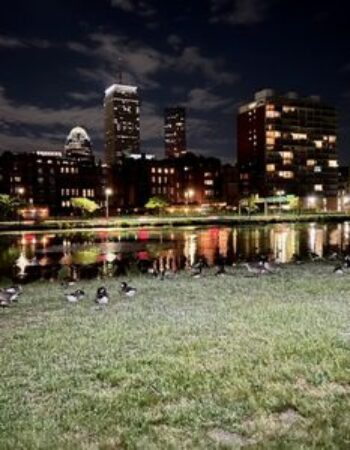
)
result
[(286, 174), (318, 169), (209, 182), (318, 144), (273, 114), (318, 187), (286, 155), (153, 169), (332, 163), (310, 162), (299, 136), (273, 134), (270, 167), (331, 139), (288, 109)]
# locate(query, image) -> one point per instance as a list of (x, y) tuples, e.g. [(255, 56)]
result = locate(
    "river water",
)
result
[(87, 254)]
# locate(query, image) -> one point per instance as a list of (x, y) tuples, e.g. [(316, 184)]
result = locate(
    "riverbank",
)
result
[(168, 221), (234, 361)]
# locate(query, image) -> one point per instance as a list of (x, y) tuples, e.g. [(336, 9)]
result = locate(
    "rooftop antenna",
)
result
[(120, 70)]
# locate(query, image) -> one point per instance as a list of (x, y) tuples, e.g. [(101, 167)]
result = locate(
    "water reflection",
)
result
[(108, 253)]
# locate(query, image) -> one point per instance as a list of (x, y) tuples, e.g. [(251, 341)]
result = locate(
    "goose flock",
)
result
[(263, 264)]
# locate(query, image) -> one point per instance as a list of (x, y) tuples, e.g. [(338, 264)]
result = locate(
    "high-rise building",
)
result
[(175, 131), (78, 145), (287, 144), (122, 122)]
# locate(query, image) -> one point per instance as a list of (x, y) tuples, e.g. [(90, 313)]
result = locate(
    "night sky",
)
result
[(58, 56)]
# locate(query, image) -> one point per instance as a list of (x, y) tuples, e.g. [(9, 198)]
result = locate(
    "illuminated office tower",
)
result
[(175, 132), (122, 122)]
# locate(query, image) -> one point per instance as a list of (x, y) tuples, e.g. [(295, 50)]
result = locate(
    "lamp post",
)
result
[(311, 201), (344, 200), (189, 193), (20, 192), (108, 193)]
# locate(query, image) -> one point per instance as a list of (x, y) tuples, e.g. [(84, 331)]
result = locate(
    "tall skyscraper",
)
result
[(175, 131), (78, 145), (287, 144), (122, 122)]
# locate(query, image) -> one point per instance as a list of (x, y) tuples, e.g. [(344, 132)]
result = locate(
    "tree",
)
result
[(293, 202), (84, 205), (156, 204), (249, 204), (8, 206)]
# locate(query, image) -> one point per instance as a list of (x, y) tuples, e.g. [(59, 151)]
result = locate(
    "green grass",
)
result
[(210, 363)]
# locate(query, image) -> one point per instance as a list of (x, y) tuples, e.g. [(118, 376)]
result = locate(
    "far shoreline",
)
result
[(132, 222)]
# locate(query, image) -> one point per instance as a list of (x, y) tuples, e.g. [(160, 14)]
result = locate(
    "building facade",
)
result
[(190, 179), (52, 178), (175, 132), (122, 122), (287, 144)]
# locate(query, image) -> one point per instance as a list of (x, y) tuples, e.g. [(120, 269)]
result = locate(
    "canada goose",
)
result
[(127, 290), (339, 270), (220, 271), (333, 256), (256, 269), (296, 259), (314, 256), (13, 292), (197, 272), (102, 297), (271, 266), (5, 300)]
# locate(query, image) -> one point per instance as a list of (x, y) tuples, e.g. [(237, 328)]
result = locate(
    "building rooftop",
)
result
[(121, 88)]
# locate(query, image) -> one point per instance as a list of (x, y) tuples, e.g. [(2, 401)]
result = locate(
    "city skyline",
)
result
[(209, 57)]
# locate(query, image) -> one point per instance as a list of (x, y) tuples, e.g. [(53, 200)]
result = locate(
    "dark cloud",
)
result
[(238, 12), (13, 42)]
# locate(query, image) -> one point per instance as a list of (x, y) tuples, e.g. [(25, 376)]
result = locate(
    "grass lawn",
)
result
[(232, 362)]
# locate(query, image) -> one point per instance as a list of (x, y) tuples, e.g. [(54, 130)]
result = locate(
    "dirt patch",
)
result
[(228, 439), (323, 390), (267, 426)]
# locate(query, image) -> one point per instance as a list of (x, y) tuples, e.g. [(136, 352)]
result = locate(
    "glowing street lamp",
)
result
[(344, 201), (311, 201), (108, 193), (21, 190), (189, 194)]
